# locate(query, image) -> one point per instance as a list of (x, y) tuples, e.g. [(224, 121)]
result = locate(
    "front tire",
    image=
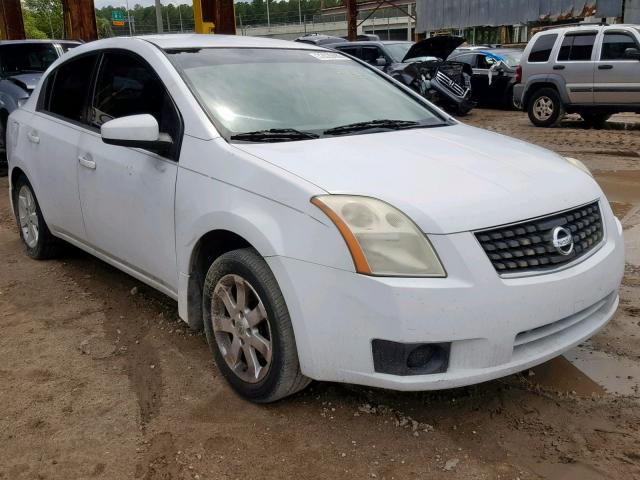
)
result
[(546, 108), (248, 328), (38, 240)]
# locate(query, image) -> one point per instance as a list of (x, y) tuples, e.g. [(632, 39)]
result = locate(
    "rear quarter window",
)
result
[(541, 50)]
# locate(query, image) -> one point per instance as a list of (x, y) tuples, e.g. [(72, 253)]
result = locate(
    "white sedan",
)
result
[(318, 219)]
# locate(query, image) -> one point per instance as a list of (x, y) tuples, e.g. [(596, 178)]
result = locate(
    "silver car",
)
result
[(593, 70), (22, 63)]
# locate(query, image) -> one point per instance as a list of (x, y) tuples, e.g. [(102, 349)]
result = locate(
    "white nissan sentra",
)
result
[(318, 219)]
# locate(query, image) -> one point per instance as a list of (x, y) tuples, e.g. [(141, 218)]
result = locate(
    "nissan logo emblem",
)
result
[(562, 241)]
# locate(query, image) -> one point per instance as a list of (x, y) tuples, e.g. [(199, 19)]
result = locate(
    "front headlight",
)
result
[(577, 163), (381, 239)]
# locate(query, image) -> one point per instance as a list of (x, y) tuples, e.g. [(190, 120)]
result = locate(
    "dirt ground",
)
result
[(98, 379)]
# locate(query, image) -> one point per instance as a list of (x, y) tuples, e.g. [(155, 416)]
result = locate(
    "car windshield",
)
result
[(253, 90), (26, 58), (398, 50)]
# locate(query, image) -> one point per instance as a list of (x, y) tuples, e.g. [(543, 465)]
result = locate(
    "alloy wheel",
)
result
[(543, 108), (241, 328), (28, 216)]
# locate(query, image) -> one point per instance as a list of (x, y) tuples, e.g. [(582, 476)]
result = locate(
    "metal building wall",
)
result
[(632, 11), (439, 14)]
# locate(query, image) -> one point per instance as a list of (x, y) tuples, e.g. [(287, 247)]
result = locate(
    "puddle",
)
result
[(617, 375), (622, 186), (561, 375)]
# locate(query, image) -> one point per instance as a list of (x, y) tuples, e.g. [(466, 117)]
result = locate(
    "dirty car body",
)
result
[(276, 220)]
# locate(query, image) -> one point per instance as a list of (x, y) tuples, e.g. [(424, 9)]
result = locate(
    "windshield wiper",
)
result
[(274, 135), (360, 126)]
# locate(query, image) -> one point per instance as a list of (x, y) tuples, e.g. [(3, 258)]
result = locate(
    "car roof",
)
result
[(16, 42), (586, 26), (194, 40)]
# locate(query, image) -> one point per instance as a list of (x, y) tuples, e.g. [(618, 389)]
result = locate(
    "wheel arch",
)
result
[(205, 251), (547, 82)]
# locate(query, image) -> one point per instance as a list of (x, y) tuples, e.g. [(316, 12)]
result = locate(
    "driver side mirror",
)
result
[(381, 62), (137, 131), (632, 53)]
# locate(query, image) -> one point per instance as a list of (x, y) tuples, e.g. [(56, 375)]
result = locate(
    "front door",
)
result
[(127, 194), (617, 78)]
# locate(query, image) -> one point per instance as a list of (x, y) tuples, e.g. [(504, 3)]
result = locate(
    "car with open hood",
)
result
[(421, 66), (331, 224)]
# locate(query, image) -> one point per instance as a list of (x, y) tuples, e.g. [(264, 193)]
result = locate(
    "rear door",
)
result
[(53, 136), (617, 78), (127, 194), (575, 64)]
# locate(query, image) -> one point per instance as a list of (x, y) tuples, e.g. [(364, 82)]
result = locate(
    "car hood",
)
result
[(440, 46), (27, 81), (448, 179)]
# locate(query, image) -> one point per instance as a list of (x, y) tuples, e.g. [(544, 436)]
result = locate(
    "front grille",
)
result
[(529, 246), (451, 85)]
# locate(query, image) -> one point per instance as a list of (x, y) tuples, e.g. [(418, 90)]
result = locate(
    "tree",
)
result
[(30, 28), (104, 27), (46, 16)]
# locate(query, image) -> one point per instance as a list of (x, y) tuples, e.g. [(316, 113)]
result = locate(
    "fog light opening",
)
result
[(410, 358)]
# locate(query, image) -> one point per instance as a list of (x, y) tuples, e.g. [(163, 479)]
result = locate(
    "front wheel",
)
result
[(248, 328), (546, 108)]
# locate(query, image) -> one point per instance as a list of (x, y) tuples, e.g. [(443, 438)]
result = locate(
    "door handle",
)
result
[(605, 67), (33, 136), (87, 162), (558, 67)]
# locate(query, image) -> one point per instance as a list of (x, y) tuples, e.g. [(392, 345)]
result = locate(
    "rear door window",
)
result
[(541, 50), (67, 89), (353, 51), (371, 55), (577, 47), (615, 44)]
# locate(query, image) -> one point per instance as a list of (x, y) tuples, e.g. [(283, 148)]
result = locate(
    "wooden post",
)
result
[(79, 20), (214, 16), (352, 20), (11, 24)]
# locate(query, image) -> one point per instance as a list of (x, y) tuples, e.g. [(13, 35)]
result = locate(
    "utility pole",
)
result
[(300, 11), (159, 16), (129, 20), (168, 24), (180, 17), (268, 19)]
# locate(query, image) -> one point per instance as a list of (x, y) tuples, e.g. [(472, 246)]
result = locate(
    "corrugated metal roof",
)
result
[(439, 14)]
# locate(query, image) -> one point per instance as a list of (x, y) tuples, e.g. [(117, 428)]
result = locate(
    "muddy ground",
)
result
[(98, 379)]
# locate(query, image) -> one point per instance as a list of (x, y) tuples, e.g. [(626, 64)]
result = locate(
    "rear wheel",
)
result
[(248, 328), (546, 108), (595, 120), (38, 240), (3, 144)]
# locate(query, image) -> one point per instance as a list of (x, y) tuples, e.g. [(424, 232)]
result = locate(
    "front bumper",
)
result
[(496, 326)]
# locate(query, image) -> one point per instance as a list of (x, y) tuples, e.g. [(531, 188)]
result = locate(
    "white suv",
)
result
[(320, 220), (593, 70)]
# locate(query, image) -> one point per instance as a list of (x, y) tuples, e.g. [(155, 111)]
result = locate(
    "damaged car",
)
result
[(422, 67), (22, 63)]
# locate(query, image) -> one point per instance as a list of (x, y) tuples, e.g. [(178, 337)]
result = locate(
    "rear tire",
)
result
[(545, 108), (248, 328), (4, 166), (38, 240), (595, 120)]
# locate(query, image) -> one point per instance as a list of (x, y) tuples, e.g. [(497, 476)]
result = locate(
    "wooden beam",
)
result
[(352, 19), (79, 20), (11, 24), (214, 16)]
